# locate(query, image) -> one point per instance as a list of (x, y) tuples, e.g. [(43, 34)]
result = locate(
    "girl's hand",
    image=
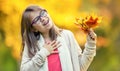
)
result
[(92, 35), (51, 46)]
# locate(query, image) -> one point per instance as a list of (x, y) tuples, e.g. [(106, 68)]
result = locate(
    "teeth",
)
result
[(46, 23)]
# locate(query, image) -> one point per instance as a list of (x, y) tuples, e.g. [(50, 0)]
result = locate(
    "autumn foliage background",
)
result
[(63, 13)]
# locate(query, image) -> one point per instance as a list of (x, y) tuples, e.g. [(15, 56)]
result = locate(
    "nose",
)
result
[(42, 19)]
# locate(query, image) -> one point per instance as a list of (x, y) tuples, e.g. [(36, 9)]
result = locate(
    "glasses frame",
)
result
[(41, 14)]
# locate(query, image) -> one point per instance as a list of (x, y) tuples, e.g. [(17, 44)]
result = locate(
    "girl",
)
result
[(49, 48)]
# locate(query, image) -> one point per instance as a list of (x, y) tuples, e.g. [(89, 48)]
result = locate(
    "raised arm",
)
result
[(85, 57)]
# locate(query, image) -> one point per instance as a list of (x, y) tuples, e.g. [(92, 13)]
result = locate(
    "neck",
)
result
[(46, 36)]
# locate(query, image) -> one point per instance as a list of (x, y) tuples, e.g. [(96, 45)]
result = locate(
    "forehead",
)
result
[(34, 14)]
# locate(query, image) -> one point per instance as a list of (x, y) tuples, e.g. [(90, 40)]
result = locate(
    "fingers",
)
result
[(91, 34), (51, 46), (53, 42), (57, 46)]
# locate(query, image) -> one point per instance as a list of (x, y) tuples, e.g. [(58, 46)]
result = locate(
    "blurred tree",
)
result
[(63, 14), (7, 61)]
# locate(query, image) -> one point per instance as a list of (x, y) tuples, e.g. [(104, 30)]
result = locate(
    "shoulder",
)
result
[(66, 32)]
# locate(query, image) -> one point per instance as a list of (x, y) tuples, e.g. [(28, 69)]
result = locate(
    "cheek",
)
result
[(37, 27)]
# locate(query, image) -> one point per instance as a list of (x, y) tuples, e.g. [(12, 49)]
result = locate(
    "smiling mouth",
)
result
[(46, 22)]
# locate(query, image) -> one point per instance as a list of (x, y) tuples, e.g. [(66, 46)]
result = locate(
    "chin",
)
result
[(49, 27)]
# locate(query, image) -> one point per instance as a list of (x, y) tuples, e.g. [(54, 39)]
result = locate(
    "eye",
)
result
[(43, 13), (35, 20)]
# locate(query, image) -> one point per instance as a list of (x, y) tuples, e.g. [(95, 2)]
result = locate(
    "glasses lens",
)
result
[(42, 14), (36, 19)]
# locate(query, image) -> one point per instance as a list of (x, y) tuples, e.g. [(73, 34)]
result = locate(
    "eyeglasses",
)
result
[(43, 13)]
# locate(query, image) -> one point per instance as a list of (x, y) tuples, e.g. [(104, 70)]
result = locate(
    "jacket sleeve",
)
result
[(85, 57), (34, 63)]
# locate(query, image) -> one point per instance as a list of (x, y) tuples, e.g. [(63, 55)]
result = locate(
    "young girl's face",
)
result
[(41, 21)]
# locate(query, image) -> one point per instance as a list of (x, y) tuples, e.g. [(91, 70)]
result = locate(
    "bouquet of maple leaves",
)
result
[(88, 22)]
